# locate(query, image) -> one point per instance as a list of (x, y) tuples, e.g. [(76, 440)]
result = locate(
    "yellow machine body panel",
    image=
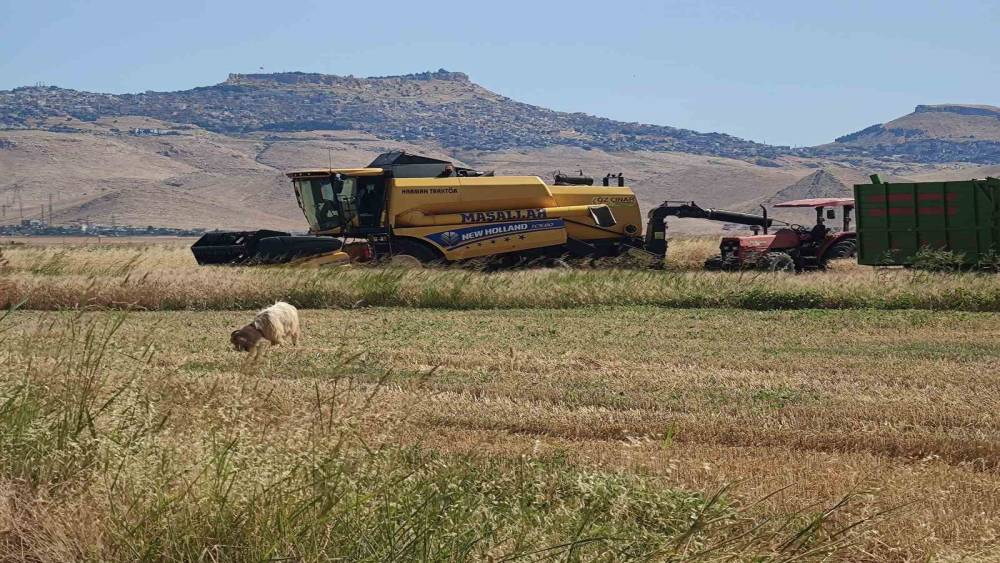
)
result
[(456, 194), (452, 213), (463, 242), (622, 202)]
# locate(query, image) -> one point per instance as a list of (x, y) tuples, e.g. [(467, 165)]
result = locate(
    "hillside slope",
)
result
[(441, 107), (932, 133), (448, 109), (102, 173), (185, 176), (820, 183)]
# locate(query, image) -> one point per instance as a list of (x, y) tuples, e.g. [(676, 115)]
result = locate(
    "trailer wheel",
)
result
[(411, 253), (776, 262)]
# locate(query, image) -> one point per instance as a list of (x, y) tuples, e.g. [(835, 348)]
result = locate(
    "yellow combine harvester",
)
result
[(407, 207)]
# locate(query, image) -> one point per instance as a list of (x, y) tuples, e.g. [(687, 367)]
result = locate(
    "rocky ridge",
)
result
[(449, 110), (931, 134), (443, 107)]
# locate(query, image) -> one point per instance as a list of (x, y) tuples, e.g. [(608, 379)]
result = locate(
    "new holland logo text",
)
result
[(497, 230), (470, 235), (506, 215)]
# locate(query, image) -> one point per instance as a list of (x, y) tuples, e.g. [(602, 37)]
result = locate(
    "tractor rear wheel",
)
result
[(776, 262), (843, 249)]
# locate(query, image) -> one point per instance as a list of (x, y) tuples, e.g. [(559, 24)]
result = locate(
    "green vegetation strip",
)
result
[(241, 288)]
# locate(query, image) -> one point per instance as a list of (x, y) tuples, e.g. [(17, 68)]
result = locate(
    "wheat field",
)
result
[(518, 427), (147, 276)]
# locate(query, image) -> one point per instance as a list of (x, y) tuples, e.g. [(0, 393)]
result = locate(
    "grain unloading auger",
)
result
[(656, 240), (413, 208)]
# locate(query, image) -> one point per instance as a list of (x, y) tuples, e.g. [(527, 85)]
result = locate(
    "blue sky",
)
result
[(782, 72)]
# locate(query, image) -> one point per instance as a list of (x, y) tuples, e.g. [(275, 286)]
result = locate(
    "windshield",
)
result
[(328, 203)]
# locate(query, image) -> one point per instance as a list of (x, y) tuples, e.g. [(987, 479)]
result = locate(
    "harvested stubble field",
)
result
[(513, 426)]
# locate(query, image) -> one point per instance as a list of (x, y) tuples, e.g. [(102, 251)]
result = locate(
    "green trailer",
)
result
[(895, 220)]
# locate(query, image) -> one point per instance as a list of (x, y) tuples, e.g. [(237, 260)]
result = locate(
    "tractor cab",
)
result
[(826, 209)]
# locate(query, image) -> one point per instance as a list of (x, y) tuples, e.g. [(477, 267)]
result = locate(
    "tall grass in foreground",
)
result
[(93, 467)]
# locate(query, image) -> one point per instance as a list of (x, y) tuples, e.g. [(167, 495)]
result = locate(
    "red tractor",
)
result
[(792, 247)]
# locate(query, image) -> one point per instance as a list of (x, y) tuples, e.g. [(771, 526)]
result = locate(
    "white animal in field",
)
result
[(271, 326)]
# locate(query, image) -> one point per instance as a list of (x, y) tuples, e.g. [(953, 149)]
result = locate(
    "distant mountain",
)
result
[(441, 107), (931, 134), (449, 110)]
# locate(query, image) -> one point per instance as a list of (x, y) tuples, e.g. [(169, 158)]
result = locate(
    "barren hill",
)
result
[(448, 109), (820, 183), (441, 107), (137, 171), (932, 133), (118, 171), (953, 122)]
